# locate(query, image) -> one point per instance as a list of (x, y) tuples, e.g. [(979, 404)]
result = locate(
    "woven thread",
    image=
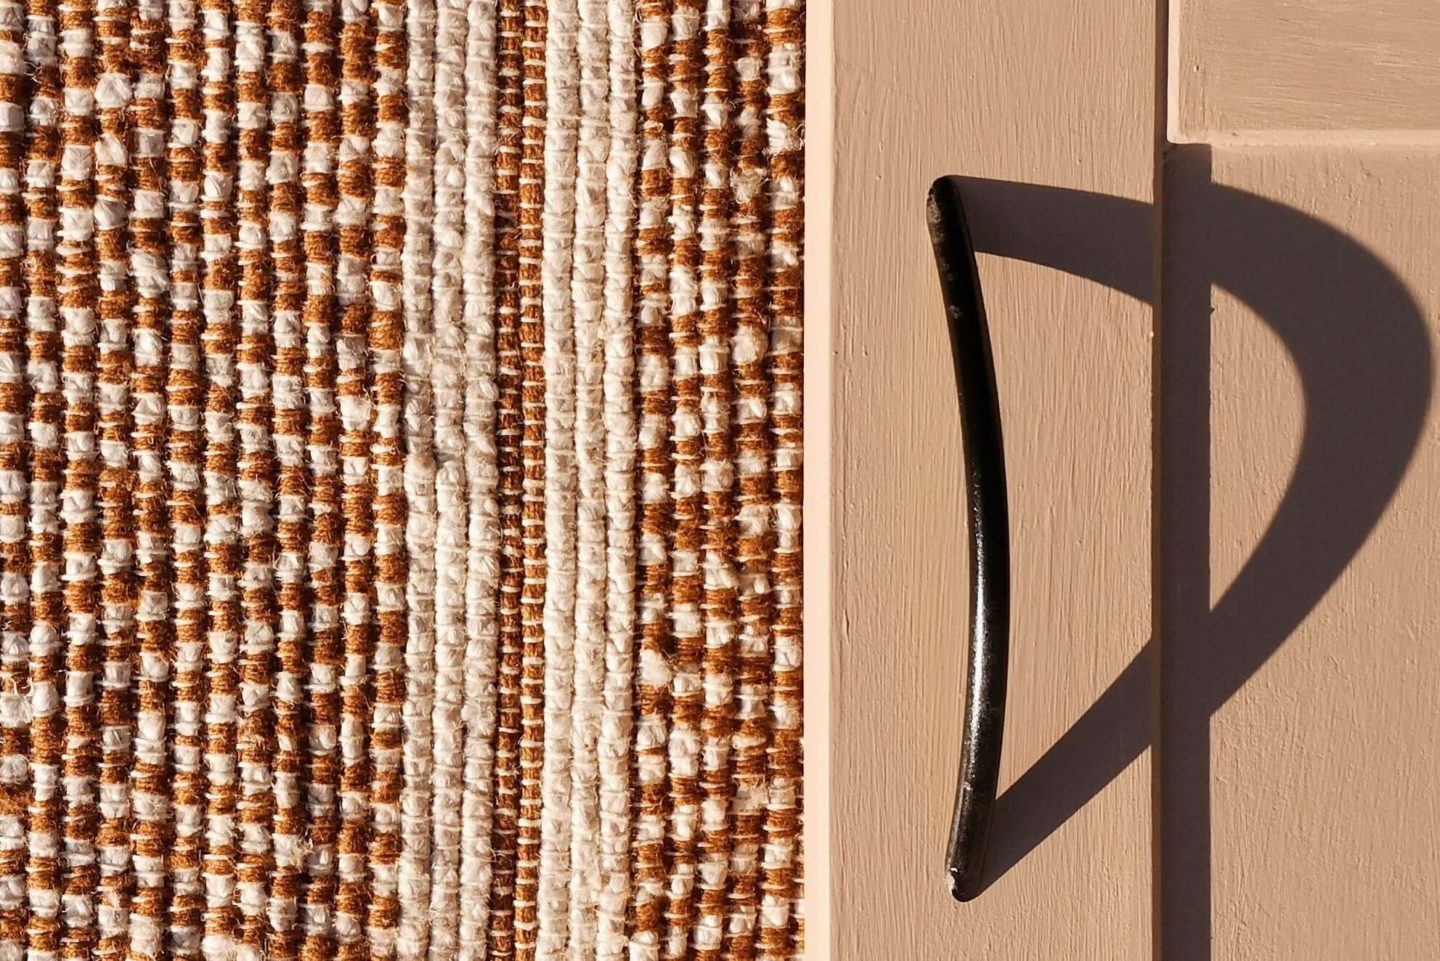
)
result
[(400, 480)]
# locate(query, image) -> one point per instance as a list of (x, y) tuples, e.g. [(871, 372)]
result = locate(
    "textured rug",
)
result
[(400, 479)]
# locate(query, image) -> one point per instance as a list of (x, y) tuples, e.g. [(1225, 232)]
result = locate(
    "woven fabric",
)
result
[(400, 479)]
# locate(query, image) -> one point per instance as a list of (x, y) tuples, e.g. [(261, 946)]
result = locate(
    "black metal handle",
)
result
[(989, 540)]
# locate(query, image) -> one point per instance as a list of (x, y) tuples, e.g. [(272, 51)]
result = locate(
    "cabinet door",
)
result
[(1209, 237), (1011, 94)]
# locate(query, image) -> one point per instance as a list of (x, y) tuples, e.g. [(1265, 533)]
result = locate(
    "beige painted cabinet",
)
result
[(1209, 242)]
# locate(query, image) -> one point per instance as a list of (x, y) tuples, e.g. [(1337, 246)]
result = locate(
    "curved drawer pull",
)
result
[(989, 532)]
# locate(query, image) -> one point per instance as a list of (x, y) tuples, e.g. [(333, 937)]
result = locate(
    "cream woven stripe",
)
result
[(614, 745), (414, 879), (448, 383), (562, 109), (481, 468), (400, 476)]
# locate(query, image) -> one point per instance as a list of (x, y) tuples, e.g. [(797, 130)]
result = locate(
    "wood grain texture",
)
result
[(1039, 94), (1246, 70), (1315, 268)]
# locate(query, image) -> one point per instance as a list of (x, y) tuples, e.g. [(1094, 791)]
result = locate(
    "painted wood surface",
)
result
[(1298, 817), (1012, 95), (1258, 485), (1279, 68)]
